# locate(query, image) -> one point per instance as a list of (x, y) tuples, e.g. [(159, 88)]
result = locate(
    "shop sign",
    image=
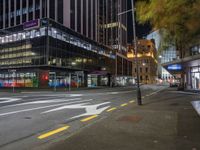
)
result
[(31, 24), (175, 67)]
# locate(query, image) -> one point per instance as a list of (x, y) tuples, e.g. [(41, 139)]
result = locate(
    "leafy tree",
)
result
[(177, 20)]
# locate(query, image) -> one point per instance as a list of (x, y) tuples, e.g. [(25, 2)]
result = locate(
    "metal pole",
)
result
[(13, 82), (77, 80), (69, 81), (139, 99), (55, 78)]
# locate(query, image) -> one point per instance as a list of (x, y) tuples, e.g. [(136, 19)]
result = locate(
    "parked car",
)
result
[(174, 83)]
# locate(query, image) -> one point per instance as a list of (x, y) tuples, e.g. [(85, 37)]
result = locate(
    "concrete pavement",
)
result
[(166, 121)]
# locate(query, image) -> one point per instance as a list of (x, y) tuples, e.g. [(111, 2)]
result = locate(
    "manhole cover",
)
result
[(133, 119)]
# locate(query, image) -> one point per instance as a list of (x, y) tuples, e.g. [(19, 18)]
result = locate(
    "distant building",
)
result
[(147, 61), (164, 56)]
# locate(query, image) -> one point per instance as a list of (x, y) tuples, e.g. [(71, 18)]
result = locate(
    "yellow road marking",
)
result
[(43, 136), (132, 102), (109, 110), (125, 104), (89, 118)]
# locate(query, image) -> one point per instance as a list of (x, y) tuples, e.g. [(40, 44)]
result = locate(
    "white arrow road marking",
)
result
[(43, 107), (8, 100), (90, 109)]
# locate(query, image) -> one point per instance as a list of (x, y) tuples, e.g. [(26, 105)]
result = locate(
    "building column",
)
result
[(33, 9), (56, 10), (27, 13), (21, 12), (76, 15), (40, 8), (15, 9), (87, 18), (48, 9), (9, 11), (85, 79), (4, 13)]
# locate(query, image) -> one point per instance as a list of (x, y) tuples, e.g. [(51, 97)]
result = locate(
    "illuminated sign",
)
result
[(31, 24), (174, 67)]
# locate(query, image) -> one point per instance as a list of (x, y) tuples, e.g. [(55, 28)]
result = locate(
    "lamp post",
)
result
[(139, 99)]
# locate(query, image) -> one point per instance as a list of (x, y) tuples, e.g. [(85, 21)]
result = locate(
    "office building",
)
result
[(95, 19), (43, 53), (164, 56)]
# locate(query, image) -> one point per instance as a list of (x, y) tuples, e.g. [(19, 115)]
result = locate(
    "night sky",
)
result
[(141, 30)]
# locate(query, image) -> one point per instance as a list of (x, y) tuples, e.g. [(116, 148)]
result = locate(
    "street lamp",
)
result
[(139, 99)]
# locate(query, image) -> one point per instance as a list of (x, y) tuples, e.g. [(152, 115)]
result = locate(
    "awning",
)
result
[(176, 66)]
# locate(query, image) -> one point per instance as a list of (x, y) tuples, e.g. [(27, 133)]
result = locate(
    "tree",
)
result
[(177, 20)]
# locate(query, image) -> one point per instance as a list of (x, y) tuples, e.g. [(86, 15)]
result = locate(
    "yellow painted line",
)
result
[(132, 102), (109, 110), (89, 118), (125, 104), (50, 133)]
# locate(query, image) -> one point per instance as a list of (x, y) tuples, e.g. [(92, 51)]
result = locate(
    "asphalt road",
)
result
[(31, 120)]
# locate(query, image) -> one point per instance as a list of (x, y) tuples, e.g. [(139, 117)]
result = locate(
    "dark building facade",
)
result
[(43, 53), (95, 19), (46, 43), (113, 27), (48, 54)]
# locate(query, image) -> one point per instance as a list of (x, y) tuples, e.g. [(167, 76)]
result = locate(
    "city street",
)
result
[(99, 75), (29, 119)]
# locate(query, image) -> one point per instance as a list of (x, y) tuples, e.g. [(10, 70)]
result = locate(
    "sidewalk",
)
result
[(166, 121)]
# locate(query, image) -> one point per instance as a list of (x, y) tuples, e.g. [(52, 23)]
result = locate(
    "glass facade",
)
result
[(95, 19), (50, 48), (113, 27), (195, 77)]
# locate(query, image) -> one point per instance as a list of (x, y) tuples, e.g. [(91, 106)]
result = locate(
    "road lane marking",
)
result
[(45, 101), (125, 104), (43, 107), (8, 100), (132, 101), (89, 118), (109, 110), (53, 132)]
